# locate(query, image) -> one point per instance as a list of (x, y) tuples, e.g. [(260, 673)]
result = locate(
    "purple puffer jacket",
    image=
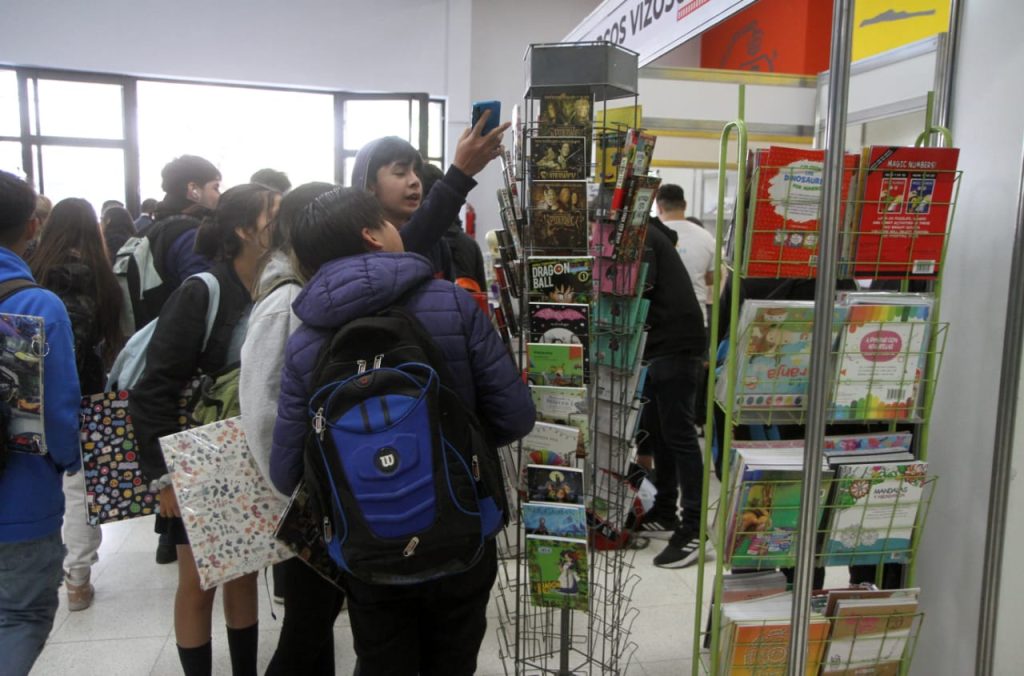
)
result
[(349, 288)]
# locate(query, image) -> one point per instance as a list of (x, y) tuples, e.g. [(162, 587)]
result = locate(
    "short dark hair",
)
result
[(181, 171), (239, 207), (110, 204), (392, 149), (17, 205), (273, 179), (149, 205), (331, 227), (671, 197), (292, 206), (429, 175)]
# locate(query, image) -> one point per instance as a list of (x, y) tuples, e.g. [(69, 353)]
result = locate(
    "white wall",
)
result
[(989, 127)]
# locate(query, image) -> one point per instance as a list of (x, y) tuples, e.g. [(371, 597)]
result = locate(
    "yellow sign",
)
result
[(620, 118), (881, 25)]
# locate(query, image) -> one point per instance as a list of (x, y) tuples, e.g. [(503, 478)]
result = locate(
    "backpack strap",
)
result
[(13, 286), (213, 287)]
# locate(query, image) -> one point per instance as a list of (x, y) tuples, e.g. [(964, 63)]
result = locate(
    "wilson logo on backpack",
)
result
[(409, 486)]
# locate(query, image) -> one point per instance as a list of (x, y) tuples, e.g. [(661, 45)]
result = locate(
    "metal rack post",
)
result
[(821, 338)]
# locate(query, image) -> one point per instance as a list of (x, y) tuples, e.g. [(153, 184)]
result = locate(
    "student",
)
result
[(145, 218), (311, 604), (357, 265), (31, 499), (235, 239), (390, 168), (117, 227), (273, 179), (70, 260)]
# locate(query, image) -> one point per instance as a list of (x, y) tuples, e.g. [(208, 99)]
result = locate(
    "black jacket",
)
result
[(175, 355), (74, 283), (467, 259), (675, 320)]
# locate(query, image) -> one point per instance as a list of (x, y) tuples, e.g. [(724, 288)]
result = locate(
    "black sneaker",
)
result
[(659, 528), (166, 553), (682, 550)]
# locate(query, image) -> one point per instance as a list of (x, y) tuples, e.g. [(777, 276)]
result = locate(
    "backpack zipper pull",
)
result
[(476, 468), (319, 423), (328, 534), (377, 361), (410, 548), (361, 366)]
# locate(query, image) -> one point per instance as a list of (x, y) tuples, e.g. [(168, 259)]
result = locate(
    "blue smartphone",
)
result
[(493, 121)]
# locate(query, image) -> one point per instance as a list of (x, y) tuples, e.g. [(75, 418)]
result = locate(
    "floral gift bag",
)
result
[(229, 509)]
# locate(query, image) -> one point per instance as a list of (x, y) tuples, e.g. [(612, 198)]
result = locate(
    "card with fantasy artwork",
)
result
[(558, 158), (555, 364), (558, 572), (567, 521), (558, 216), (552, 483), (565, 115)]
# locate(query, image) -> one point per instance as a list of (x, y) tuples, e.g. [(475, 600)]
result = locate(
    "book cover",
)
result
[(608, 157), (619, 279), (619, 350), (566, 521), (509, 220), (868, 443), (782, 239), (559, 404), (619, 312), (624, 173), (560, 158), (873, 512), (565, 115), (882, 357), (561, 279), (550, 438), (508, 173), (907, 196), (643, 154), (22, 348), (558, 215), (870, 636), (631, 229), (762, 648), (558, 572), (562, 323), (554, 483), (554, 364), (766, 519)]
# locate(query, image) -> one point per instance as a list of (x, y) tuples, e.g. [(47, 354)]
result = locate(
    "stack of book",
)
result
[(755, 637)]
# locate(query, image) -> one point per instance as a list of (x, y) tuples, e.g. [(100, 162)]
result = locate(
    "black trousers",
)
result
[(428, 629), (311, 605)]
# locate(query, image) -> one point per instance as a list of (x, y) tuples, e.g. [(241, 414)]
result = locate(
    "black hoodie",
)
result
[(675, 320)]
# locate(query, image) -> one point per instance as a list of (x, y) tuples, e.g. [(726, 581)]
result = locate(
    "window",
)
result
[(108, 137)]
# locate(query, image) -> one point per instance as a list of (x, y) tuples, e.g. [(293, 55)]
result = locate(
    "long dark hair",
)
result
[(72, 235), (239, 207)]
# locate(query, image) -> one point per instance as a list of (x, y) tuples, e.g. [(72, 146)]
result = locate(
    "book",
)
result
[(613, 384), (782, 238), (558, 572), (553, 483), (620, 312), (559, 404), (560, 158), (510, 218), (558, 216), (632, 233), (619, 279), (608, 156), (643, 154), (870, 635), (867, 443), (561, 441), (562, 323), (301, 530), (873, 511), (561, 279), (755, 637), (510, 264), (619, 350), (567, 521), (554, 364), (907, 194), (882, 354), (618, 420), (566, 115), (624, 172)]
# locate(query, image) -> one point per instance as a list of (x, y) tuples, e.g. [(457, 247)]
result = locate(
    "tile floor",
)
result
[(128, 630)]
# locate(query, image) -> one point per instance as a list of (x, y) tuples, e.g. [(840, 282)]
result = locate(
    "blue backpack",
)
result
[(409, 486)]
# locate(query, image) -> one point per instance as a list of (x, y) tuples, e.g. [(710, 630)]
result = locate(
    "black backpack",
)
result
[(8, 388), (408, 484)]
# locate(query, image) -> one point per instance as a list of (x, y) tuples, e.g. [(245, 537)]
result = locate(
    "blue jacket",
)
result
[(349, 288), (31, 493)]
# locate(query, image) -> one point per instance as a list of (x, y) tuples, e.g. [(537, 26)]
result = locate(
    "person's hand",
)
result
[(169, 502), (473, 151)]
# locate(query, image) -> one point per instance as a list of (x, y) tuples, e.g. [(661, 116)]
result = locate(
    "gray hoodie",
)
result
[(270, 324)]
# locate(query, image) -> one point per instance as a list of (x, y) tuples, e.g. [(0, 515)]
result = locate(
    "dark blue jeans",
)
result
[(668, 420), (30, 574)]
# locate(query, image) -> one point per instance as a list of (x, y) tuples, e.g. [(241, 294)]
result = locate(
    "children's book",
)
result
[(22, 348), (566, 521), (562, 323), (755, 637), (882, 357), (870, 635), (301, 530), (782, 239), (558, 216), (619, 279), (566, 115), (907, 195), (561, 279), (873, 511), (554, 483), (558, 572), (559, 404), (882, 442), (554, 364), (561, 441), (560, 158), (229, 509)]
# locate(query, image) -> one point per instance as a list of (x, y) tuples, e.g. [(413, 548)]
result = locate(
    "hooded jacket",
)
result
[(675, 317), (424, 232), (31, 487), (271, 323), (485, 377)]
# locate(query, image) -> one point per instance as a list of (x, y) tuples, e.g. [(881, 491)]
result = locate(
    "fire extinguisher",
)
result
[(470, 220)]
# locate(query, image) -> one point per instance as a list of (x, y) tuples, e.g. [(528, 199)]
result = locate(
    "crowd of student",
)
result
[(291, 267)]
